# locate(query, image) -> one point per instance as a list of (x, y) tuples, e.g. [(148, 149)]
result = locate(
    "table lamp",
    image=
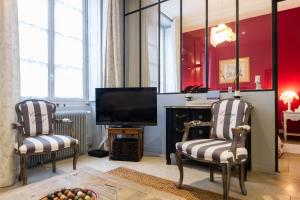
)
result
[(258, 82), (287, 97)]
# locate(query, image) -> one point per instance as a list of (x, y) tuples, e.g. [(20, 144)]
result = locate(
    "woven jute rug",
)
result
[(188, 192)]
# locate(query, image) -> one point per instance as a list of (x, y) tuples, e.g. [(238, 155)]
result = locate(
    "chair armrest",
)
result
[(16, 125), (67, 122), (191, 124), (19, 127), (239, 137)]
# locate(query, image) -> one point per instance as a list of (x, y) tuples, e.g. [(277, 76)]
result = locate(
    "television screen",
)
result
[(126, 106)]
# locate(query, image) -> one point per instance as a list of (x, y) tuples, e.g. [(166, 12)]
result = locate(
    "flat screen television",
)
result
[(126, 106)]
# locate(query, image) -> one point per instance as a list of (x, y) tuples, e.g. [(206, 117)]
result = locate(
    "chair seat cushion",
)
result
[(211, 150), (45, 143)]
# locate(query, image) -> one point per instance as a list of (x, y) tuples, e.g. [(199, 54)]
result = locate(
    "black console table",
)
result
[(175, 118)]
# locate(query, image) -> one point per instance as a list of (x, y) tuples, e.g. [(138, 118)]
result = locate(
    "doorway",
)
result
[(288, 115)]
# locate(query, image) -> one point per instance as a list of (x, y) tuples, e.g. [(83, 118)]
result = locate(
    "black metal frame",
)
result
[(158, 3), (206, 45), (274, 53), (237, 44), (275, 72), (124, 44), (159, 43), (140, 43), (140, 9)]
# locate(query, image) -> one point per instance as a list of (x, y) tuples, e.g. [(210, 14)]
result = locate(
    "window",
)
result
[(52, 49)]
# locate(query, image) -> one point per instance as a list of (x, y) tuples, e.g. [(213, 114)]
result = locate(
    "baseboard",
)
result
[(152, 150), (262, 168), (291, 148), (148, 153)]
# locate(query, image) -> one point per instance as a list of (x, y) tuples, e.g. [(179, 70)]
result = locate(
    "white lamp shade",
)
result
[(287, 98)]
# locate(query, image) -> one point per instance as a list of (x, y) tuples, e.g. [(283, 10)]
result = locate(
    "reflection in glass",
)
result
[(170, 47), (70, 14), (193, 46), (33, 36), (148, 2), (256, 43), (149, 49), (131, 5), (29, 9), (34, 79), (132, 51), (33, 49), (222, 73), (68, 58)]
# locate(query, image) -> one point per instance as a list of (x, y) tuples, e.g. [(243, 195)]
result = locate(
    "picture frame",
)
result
[(227, 69)]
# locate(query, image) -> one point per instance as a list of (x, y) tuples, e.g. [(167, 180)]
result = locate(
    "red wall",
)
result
[(256, 43), (289, 58), (193, 58)]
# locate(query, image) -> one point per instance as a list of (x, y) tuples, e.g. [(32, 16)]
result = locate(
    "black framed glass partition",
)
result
[(193, 46), (170, 64), (132, 50), (222, 40), (255, 45), (199, 45), (131, 5), (149, 46), (145, 3)]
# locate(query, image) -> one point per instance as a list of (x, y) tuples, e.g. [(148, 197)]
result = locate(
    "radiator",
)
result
[(80, 125)]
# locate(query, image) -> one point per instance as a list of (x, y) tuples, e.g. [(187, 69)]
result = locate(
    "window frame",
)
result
[(237, 20), (51, 57)]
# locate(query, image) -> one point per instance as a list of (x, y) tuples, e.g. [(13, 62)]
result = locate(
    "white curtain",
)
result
[(10, 87), (113, 67), (95, 50), (111, 56), (171, 68), (132, 50), (150, 47), (175, 26)]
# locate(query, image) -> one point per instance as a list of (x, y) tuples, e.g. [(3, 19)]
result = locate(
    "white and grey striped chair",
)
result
[(226, 146), (36, 134)]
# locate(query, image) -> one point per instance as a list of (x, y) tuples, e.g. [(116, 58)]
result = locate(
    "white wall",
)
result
[(263, 127)]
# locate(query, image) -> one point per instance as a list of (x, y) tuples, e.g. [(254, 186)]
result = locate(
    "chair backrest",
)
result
[(37, 116), (228, 114)]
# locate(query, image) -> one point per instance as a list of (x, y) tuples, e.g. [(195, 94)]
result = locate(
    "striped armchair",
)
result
[(36, 134), (226, 146)]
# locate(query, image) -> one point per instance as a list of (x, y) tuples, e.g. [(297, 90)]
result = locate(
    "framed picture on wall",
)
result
[(227, 70)]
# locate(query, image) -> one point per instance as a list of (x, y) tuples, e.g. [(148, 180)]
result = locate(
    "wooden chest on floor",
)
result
[(125, 149)]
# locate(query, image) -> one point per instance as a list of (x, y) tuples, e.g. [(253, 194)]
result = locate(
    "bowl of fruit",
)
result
[(71, 194)]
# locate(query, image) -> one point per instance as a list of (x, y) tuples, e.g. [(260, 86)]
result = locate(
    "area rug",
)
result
[(188, 192)]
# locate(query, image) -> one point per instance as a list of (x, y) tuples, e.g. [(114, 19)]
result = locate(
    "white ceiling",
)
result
[(220, 10)]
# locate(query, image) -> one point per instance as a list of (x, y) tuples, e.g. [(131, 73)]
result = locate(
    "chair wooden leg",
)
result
[(242, 178), (211, 171), (226, 176), (53, 159), (180, 167), (76, 155), (24, 168), (246, 171), (21, 169)]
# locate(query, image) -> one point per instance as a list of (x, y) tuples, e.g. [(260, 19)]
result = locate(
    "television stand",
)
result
[(126, 131)]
